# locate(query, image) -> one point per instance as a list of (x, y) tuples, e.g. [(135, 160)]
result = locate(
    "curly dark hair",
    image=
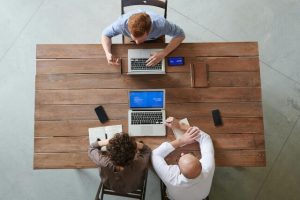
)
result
[(121, 149)]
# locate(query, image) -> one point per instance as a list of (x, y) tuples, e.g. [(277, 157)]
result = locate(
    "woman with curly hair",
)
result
[(123, 166)]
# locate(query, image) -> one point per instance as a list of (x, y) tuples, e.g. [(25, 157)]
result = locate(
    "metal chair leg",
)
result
[(98, 192)]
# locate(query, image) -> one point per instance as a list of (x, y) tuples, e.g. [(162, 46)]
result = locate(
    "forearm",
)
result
[(96, 155), (174, 43), (177, 143), (207, 151), (106, 44)]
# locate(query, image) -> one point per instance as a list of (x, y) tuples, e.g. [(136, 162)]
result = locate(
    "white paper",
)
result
[(177, 132), (112, 130), (103, 132), (97, 132)]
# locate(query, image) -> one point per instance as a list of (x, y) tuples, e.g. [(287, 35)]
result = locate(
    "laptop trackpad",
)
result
[(146, 130)]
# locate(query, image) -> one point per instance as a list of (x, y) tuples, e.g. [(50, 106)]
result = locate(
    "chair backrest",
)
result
[(138, 194), (157, 3)]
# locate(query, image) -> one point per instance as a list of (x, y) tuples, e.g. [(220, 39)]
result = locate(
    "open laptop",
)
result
[(137, 62), (146, 113)]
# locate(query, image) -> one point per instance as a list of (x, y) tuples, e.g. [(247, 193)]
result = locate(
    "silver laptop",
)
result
[(146, 114), (137, 62)]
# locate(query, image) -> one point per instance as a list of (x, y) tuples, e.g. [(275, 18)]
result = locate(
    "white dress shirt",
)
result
[(178, 186)]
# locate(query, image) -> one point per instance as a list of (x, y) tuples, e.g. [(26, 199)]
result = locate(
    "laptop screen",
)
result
[(146, 99)]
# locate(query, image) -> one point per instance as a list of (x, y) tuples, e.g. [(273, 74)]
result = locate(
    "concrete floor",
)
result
[(274, 23)]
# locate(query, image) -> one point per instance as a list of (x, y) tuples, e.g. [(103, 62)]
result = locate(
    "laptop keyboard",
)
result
[(146, 118), (140, 64)]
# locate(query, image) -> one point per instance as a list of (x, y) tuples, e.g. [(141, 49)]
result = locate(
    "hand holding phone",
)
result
[(101, 114)]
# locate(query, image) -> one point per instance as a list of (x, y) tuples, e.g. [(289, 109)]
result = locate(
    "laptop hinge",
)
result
[(146, 110)]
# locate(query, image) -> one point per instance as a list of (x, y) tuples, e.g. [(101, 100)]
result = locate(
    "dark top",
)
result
[(127, 180)]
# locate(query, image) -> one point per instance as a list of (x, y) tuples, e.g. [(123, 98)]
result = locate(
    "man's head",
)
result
[(189, 166), (139, 26), (121, 149)]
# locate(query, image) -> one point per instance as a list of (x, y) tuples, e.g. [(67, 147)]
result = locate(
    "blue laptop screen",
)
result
[(146, 99)]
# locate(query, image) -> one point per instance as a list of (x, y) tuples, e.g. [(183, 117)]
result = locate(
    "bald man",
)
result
[(191, 179)]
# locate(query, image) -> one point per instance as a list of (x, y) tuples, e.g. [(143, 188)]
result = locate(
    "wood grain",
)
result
[(171, 80), (230, 64), (62, 161), (220, 49), (199, 75), (99, 65), (80, 144), (73, 79), (230, 158), (94, 81), (80, 127), (173, 95), (120, 111), (75, 66)]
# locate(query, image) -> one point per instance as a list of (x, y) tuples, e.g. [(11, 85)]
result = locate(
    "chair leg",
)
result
[(145, 186), (98, 192), (163, 191), (102, 193)]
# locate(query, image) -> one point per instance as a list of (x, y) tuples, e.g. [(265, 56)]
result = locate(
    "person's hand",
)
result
[(172, 122), (155, 58), (112, 60), (139, 145), (103, 142), (190, 136)]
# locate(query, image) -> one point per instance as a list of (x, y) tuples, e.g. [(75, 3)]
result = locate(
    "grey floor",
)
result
[(274, 23)]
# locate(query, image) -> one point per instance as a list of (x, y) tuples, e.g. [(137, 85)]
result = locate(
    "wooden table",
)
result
[(71, 80)]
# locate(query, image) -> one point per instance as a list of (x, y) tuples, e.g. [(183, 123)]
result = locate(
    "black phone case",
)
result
[(101, 114), (217, 117)]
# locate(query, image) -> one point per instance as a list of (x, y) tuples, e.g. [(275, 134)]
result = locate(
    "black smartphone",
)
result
[(217, 117), (101, 114)]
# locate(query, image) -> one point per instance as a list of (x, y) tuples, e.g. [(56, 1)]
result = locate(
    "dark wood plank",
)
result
[(72, 127), (46, 51), (93, 81), (230, 64), (75, 66), (78, 112), (80, 127), (221, 49), (80, 144), (240, 158), (119, 111), (230, 158), (238, 141), (62, 161), (99, 65), (61, 144), (199, 75), (213, 94), (173, 95), (170, 80), (234, 79), (86, 96)]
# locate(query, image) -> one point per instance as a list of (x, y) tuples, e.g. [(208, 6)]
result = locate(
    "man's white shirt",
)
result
[(178, 186)]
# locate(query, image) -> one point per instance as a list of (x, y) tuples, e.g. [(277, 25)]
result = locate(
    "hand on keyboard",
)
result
[(155, 58)]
